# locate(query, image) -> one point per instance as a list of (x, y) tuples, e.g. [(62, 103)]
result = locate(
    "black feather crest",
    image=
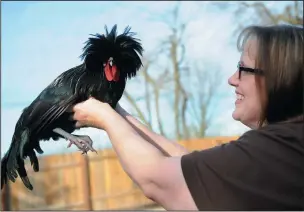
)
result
[(124, 48)]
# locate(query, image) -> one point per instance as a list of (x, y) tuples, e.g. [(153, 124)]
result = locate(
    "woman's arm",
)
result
[(168, 148), (159, 177)]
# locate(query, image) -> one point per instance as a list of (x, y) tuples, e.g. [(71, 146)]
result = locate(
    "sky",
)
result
[(40, 40)]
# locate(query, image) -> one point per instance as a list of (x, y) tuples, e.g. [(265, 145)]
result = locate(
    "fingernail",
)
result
[(77, 125)]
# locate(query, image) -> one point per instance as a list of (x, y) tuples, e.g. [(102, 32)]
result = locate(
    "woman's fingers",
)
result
[(72, 118), (78, 124), (77, 107), (84, 113)]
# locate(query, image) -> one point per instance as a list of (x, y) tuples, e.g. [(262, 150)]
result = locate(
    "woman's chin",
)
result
[(235, 115)]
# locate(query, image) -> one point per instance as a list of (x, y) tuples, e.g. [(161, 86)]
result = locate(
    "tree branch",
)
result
[(135, 106)]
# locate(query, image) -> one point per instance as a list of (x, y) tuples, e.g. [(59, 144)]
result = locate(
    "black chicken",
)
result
[(108, 61)]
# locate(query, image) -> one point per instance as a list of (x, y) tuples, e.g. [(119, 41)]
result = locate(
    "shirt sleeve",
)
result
[(239, 175)]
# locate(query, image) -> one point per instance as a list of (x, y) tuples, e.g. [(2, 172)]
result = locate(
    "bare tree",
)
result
[(256, 12), (265, 15), (170, 47), (140, 114), (157, 85), (153, 88), (133, 101), (175, 48), (187, 126), (172, 79), (200, 104)]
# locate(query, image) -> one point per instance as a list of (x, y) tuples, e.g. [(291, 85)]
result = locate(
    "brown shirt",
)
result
[(262, 170)]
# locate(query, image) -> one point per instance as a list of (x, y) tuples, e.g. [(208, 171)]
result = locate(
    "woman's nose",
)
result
[(233, 80)]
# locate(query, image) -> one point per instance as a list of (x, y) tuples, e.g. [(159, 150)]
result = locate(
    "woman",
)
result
[(263, 169)]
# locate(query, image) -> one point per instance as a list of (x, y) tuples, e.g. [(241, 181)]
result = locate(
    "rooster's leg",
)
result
[(83, 142)]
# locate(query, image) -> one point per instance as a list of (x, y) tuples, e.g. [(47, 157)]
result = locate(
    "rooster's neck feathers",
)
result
[(124, 48)]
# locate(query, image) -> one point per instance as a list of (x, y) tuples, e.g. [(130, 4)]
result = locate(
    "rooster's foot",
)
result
[(83, 142)]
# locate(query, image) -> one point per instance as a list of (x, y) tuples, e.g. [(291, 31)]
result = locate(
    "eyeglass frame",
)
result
[(250, 70)]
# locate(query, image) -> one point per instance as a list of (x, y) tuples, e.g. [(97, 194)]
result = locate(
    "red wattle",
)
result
[(108, 72), (115, 73)]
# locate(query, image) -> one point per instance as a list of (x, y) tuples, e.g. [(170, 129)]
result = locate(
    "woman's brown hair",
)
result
[(280, 57)]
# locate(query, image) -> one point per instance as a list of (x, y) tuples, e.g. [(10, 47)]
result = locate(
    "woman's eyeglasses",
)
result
[(241, 69)]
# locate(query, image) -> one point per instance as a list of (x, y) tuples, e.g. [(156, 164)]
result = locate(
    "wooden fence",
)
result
[(84, 182)]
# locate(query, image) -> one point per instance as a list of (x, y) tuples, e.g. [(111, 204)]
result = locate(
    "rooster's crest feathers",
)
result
[(124, 48)]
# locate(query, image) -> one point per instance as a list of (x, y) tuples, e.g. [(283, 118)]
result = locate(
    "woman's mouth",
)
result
[(239, 98)]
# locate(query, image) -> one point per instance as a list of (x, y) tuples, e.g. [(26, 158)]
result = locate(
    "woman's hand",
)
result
[(91, 113)]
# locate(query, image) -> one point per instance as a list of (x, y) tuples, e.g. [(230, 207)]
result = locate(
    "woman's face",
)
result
[(247, 105)]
